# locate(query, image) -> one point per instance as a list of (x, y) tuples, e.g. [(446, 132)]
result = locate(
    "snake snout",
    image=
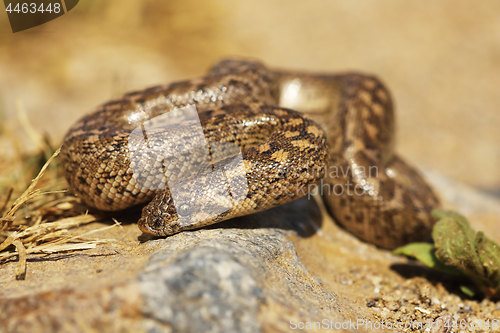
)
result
[(158, 225), (151, 225), (161, 221)]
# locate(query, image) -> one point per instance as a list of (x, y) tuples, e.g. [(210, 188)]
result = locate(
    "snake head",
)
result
[(192, 204), (159, 217)]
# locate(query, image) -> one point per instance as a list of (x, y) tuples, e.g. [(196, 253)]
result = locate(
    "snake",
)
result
[(245, 138)]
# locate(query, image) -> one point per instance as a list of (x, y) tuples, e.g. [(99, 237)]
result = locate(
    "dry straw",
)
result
[(30, 233)]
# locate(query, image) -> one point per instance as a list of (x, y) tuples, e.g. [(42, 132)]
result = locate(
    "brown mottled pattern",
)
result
[(284, 151), (357, 114)]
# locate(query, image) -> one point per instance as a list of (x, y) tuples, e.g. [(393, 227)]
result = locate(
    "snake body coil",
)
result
[(367, 188)]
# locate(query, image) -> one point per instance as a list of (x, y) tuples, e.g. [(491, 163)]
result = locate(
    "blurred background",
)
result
[(440, 60)]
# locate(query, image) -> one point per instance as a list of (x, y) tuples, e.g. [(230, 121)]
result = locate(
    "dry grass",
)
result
[(38, 222)]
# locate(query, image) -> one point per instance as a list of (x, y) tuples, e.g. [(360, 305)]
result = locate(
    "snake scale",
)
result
[(292, 129)]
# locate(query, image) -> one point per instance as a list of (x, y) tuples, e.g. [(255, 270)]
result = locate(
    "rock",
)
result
[(205, 289)]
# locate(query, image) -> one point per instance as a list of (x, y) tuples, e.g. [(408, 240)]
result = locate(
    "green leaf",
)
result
[(489, 254), (459, 250), (467, 291), (425, 253), (455, 244)]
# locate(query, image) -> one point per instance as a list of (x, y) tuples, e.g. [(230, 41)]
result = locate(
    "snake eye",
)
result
[(184, 210)]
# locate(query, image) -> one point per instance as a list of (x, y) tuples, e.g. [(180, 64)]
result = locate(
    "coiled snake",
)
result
[(113, 161)]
